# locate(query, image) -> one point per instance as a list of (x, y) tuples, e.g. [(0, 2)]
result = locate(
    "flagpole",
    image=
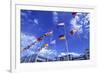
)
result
[(66, 42)]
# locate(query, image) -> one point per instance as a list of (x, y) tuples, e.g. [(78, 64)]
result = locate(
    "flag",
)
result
[(61, 24), (73, 31), (62, 37), (48, 33), (46, 45), (53, 42), (39, 39)]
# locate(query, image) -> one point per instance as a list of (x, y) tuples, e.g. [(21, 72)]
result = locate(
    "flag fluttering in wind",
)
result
[(73, 31), (53, 42), (46, 45), (39, 39), (43, 46), (62, 37), (61, 24), (48, 33)]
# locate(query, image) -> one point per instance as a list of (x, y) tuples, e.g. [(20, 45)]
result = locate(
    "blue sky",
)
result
[(36, 23)]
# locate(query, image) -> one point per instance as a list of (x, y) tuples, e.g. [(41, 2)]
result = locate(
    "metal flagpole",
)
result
[(66, 42)]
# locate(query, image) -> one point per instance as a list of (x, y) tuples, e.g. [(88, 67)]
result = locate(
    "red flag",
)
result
[(39, 39)]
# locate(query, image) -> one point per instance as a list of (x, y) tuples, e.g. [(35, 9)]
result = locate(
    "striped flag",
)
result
[(62, 37)]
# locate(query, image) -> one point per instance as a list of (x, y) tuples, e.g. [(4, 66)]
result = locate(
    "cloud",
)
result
[(35, 21), (49, 53), (23, 14), (75, 25), (53, 42), (45, 52), (25, 18), (27, 53), (27, 40), (74, 54), (62, 54), (81, 23)]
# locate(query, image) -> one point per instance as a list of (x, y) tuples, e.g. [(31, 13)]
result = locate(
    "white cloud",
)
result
[(27, 53), (80, 22), (36, 21), (76, 25), (48, 53), (74, 54), (24, 14), (27, 40), (62, 54), (53, 42)]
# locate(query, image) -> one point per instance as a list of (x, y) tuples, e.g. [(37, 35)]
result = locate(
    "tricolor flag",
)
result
[(62, 37)]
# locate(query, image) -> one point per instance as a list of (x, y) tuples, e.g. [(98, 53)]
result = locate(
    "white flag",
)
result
[(61, 24), (53, 42)]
